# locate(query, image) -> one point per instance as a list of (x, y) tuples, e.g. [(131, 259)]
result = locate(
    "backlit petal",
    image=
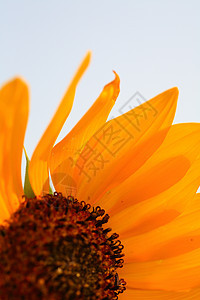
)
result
[(120, 139), (14, 109), (165, 168), (134, 294), (67, 150), (173, 274), (179, 236), (194, 204), (38, 168), (159, 210)]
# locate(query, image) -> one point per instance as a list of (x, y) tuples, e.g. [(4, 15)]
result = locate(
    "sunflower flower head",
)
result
[(116, 226)]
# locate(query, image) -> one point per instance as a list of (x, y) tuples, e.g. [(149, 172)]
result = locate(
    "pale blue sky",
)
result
[(152, 44)]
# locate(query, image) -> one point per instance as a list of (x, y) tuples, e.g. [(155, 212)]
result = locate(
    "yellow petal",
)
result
[(14, 109), (4, 209), (38, 168), (179, 236), (134, 294), (116, 146), (173, 274), (166, 167), (194, 204), (65, 152), (158, 210)]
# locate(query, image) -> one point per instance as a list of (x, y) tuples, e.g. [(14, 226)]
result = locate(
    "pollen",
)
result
[(59, 248)]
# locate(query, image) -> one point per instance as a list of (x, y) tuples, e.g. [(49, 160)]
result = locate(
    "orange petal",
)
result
[(66, 151), (38, 168), (158, 210), (173, 274), (167, 166), (179, 236), (133, 294), (4, 212), (193, 205), (14, 109), (113, 152)]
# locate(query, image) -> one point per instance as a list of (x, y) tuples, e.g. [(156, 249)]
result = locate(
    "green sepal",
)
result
[(28, 191), (50, 190)]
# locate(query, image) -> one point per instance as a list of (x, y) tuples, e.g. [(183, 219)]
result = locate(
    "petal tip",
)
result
[(16, 82), (19, 80), (88, 57), (117, 79), (174, 91), (116, 84), (170, 95)]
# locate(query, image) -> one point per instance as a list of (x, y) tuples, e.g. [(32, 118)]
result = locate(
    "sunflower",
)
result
[(123, 221)]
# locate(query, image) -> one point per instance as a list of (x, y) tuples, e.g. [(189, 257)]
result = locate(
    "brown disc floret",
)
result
[(58, 248)]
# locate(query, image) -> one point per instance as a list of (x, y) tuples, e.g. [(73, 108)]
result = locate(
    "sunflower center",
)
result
[(58, 248)]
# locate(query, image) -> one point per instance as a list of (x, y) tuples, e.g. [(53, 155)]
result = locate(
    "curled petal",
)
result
[(65, 153)]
